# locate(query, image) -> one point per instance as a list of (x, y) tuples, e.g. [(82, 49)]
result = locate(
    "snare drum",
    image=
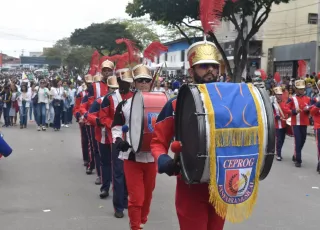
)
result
[(191, 130), (145, 109), (289, 130)]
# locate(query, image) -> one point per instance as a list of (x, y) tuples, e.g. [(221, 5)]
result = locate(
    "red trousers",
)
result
[(193, 208), (141, 181)]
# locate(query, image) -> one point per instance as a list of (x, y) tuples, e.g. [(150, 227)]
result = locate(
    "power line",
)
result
[(24, 37), (295, 8)]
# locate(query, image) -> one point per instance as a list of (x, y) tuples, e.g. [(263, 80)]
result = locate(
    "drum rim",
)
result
[(199, 108), (270, 148), (137, 93)]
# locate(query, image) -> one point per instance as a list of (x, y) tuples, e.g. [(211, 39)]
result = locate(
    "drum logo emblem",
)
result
[(237, 181), (152, 119)]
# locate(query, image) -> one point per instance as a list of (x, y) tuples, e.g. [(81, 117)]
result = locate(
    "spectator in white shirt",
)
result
[(57, 92), (158, 87), (43, 103), (24, 104)]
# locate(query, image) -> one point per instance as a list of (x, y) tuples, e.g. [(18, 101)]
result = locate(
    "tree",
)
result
[(185, 12), (79, 58), (102, 37), (60, 49), (70, 56), (142, 29)]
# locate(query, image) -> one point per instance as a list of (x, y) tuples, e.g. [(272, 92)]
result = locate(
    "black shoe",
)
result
[(98, 181), (118, 215), (21, 127), (298, 165), (89, 171), (293, 159), (318, 168), (85, 163), (104, 194)]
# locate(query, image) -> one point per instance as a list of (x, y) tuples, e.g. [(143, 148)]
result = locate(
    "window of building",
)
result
[(312, 18), (182, 55), (166, 56), (158, 59)]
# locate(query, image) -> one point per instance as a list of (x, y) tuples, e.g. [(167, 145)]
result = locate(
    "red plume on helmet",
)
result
[(277, 77), (133, 51), (94, 64), (263, 74), (154, 50), (302, 69), (210, 14)]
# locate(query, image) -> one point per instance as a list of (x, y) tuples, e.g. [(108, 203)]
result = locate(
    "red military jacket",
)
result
[(109, 105), (164, 130), (299, 102), (279, 120), (76, 108), (96, 90), (92, 116)]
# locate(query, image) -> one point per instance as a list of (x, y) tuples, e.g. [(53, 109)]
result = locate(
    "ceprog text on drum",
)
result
[(238, 163)]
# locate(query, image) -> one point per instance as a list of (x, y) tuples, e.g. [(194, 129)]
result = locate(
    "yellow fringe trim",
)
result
[(231, 212), (236, 137)]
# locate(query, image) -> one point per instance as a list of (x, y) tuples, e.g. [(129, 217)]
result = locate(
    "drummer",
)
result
[(299, 105), (106, 116), (315, 113), (281, 112), (192, 201), (139, 168)]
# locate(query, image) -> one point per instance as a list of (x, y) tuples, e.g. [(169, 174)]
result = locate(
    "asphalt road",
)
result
[(45, 172)]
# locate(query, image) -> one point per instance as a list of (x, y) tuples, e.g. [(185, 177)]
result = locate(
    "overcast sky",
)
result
[(34, 24)]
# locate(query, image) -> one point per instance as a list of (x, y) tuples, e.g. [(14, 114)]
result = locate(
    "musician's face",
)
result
[(204, 73), (300, 91), (279, 97), (143, 84), (106, 72)]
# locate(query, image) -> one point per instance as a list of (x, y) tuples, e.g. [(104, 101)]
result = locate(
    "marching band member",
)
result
[(192, 201), (77, 115), (98, 89), (109, 104), (315, 113), (139, 168), (103, 141), (84, 108), (299, 106), (281, 112)]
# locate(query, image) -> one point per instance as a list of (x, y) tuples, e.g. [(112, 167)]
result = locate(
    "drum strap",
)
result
[(118, 96)]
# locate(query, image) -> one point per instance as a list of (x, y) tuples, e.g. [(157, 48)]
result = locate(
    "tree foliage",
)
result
[(142, 30), (102, 37), (179, 13), (71, 56)]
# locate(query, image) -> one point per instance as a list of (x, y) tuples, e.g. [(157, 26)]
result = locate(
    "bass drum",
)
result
[(145, 108), (190, 126)]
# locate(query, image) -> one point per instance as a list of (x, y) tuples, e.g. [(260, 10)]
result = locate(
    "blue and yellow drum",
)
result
[(228, 141)]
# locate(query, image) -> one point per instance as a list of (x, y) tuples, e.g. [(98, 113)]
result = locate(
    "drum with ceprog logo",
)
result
[(222, 119), (144, 112)]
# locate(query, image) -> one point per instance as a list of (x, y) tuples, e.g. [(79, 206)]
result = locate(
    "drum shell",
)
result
[(152, 103)]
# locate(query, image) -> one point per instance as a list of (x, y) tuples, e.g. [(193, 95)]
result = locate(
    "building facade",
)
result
[(176, 57), (291, 34)]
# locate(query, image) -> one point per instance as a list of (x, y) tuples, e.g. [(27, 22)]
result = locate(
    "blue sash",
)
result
[(235, 134)]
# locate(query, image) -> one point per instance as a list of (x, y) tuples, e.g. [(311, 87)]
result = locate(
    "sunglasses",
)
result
[(206, 66), (146, 80)]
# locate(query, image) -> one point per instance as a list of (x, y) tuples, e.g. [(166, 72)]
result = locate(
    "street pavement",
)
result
[(45, 172)]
